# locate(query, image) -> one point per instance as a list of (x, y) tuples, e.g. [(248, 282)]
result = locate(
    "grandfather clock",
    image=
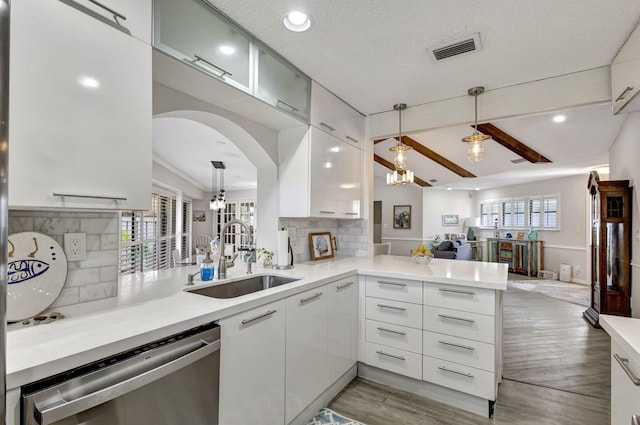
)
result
[(610, 248)]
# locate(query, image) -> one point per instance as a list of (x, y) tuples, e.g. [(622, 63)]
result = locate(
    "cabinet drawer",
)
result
[(474, 300), (400, 337), (459, 323), (459, 350), (391, 359), (399, 313), (394, 289), (458, 377), (625, 394)]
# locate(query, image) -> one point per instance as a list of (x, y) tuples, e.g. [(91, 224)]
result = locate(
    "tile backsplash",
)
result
[(87, 280), (351, 235)]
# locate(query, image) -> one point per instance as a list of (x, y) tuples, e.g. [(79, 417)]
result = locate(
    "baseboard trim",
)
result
[(438, 393)]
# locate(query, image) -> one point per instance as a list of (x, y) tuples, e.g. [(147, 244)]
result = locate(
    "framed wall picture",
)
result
[(402, 216), (520, 236), (320, 245), (450, 219), (199, 215)]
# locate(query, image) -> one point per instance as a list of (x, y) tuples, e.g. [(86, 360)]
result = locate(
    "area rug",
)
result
[(570, 292), (329, 417)]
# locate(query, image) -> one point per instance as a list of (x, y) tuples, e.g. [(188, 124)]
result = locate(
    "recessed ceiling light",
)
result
[(225, 49), (477, 188), (297, 21), (89, 82), (559, 118), (449, 188)]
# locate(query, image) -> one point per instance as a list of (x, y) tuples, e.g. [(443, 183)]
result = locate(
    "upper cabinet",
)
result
[(197, 34), (625, 76), (80, 104), (318, 175), (282, 85), (191, 31), (332, 115)]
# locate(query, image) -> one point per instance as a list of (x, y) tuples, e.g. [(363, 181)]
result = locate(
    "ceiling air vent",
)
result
[(433, 181), (456, 47), (518, 160)]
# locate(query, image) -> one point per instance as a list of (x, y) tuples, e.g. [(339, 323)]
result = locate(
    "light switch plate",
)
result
[(75, 246)]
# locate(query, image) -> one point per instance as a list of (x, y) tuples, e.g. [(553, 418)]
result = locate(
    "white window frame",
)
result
[(548, 218)]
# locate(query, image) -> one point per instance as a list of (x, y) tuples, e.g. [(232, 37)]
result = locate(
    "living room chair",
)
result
[(382, 248)]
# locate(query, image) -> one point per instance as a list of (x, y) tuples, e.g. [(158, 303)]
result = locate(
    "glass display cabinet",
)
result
[(610, 221)]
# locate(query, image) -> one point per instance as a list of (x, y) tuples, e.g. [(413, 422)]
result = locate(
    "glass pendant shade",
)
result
[(400, 156), (475, 150), (218, 201), (400, 176)]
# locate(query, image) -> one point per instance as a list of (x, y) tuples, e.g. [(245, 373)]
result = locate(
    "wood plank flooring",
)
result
[(556, 373)]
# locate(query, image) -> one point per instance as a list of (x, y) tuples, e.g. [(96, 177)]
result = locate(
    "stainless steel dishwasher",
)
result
[(168, 382)]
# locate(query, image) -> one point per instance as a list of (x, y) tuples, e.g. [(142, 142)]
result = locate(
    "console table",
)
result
[(525, 257)]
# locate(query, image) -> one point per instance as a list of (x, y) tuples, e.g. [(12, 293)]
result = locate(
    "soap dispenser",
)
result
[(207, 269)]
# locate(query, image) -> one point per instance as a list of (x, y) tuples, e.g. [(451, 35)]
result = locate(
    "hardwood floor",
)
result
[(556, 371)]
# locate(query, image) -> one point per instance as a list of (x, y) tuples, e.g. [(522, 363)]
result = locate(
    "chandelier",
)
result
[(401, 175), (217, 201), (475, 141)]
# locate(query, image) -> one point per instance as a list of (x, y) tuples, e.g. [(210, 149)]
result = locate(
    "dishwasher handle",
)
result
[(61, 409)]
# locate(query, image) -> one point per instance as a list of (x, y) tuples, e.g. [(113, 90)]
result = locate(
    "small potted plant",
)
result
[(267, 257)]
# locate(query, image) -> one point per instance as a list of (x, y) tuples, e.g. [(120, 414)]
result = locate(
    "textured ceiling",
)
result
[(373, 53)]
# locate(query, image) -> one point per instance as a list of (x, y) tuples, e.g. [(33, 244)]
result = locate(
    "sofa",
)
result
[(457, 249)]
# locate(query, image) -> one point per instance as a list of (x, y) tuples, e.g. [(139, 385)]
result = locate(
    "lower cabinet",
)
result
[(278, 358), (306, 349), (252, 366), (625, 393)]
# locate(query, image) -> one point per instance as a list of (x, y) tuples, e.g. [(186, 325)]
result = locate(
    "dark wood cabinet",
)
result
[(610, 221)]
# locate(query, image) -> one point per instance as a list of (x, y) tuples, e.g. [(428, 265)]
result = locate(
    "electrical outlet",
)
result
[(75, 246)]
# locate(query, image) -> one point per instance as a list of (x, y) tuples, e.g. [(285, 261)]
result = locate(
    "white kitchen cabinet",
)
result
[(195, 33), (318, 175), (306, 349), (342, 326), (625, 76), (625, 393), (252, 366), (80, 107), (282, 85), (335, 117)]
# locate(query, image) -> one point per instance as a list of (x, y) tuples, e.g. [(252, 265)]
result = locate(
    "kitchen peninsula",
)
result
[(457, 303)]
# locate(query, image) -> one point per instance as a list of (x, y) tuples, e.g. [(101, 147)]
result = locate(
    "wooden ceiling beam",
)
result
[(417, 180), (511, 143), (437, 158)]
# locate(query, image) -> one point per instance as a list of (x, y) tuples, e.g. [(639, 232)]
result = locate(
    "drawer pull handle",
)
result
[(384, 282), (327, 212), (624, 93), (327, 126), (624, 363), (466, 347), (392, 307), (352, 139), (312, 297), (253, 319), (457, 291), (444, 316), (392, 331), (293, 108), (222, 70), (350, 213), (339, 287), (444, 369), (79, 195), (382, 353)]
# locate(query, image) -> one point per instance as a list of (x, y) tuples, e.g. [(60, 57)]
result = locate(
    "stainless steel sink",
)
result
[(244, 286)]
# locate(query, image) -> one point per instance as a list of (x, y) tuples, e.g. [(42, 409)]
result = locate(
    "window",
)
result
[(147, 238), (540, 212), (241, 210), (489, 213), (512, 213)]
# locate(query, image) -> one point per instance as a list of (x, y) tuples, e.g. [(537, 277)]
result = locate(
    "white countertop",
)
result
[(626, 331), (153, 305)]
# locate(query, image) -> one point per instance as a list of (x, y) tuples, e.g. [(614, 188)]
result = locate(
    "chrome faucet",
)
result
[(222, 268)]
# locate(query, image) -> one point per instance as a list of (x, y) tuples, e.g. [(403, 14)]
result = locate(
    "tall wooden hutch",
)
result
[(610, 248)]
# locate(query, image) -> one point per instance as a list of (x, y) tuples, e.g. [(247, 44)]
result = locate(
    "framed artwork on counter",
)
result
[(321, 245)]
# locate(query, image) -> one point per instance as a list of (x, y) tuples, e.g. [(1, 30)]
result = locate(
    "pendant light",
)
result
[(475, 141), (400, 175), (217, 201)]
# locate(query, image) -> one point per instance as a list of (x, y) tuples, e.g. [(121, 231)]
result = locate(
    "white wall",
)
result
[(438, 202), (623, 163), (567, 245), (402, 240)]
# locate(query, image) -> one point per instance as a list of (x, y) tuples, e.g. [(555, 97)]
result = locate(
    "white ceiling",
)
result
[(373, 54)]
